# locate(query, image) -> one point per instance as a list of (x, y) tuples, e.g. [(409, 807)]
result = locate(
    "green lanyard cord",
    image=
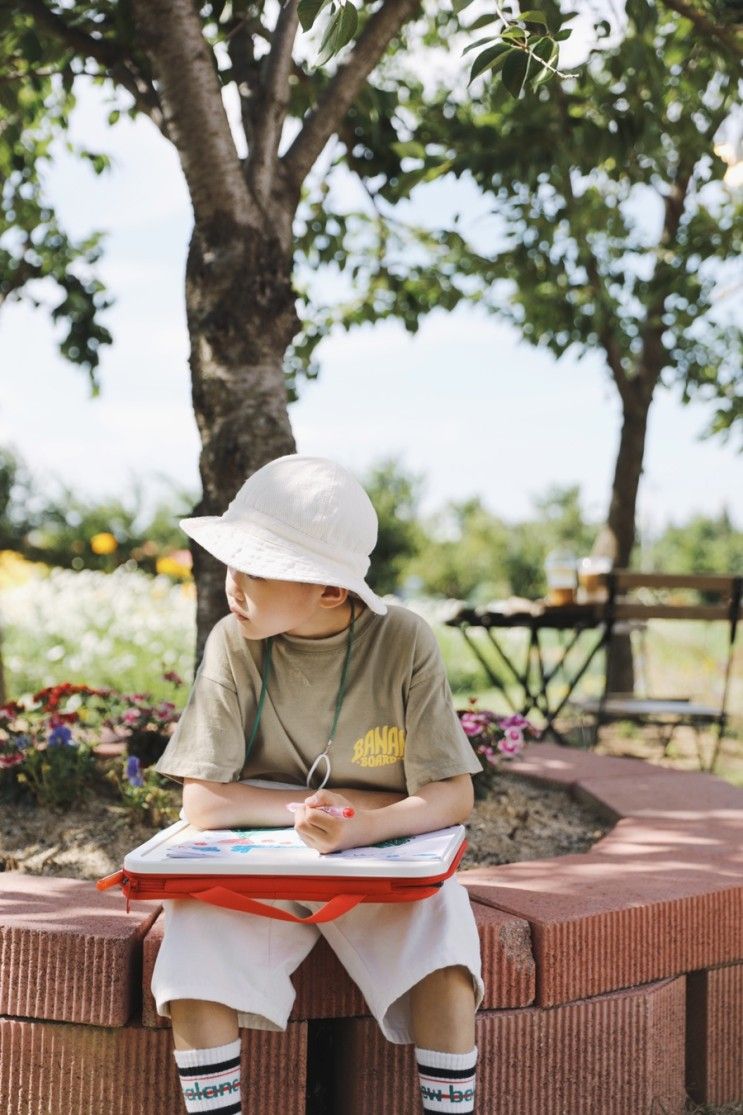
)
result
[(267, 647), (266, 672)]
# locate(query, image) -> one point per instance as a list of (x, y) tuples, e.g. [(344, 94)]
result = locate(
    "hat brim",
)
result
[(236, 545)]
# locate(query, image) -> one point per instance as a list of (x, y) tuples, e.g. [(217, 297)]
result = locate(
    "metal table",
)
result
[(534, 680)]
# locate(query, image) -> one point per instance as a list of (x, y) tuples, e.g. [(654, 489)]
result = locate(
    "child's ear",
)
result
[(332, 596)]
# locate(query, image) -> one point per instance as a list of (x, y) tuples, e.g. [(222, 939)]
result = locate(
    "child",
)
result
[(316, 691)]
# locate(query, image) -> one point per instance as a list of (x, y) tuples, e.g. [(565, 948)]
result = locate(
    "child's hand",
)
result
[(329, 833)]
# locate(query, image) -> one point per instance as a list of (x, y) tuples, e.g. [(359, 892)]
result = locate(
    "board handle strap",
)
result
[(229, 900)]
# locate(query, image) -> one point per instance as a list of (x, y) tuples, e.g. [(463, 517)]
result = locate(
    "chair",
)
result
[(633, 596)]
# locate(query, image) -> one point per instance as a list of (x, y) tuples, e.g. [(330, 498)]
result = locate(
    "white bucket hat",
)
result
[(297, 519)]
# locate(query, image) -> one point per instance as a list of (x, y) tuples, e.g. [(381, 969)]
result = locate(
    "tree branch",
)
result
[(724, 35), (107, 54), (606, 334), (344, 87), (191, 94), (273, 103), (245, 73)]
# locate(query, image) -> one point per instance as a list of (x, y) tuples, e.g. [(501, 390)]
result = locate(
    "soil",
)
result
[(518, 821)]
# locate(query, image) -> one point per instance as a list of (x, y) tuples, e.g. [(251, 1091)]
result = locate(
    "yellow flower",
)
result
[(16, 570), (103, 543), (173, 566)]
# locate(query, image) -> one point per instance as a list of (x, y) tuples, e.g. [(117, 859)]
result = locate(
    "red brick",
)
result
[(607, 920), (715, 1035), (324, 990), (150, 949), (67, 951), (508, 966), (681, 794), (61, 1069), (553, 765), (620, 1054)]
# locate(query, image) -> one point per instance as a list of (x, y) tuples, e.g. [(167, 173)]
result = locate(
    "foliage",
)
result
[(494, 739), (613, 228), (703, 544), (144, 792), (46, 742), (471, 554), (395, 495), (55, 525), (47, 47), (47, 745), (35, 104)]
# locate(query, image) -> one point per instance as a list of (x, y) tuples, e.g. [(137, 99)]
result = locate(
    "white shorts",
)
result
[(246, 961)]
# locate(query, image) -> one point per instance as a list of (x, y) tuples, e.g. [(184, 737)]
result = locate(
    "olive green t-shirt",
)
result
[(397, 729)]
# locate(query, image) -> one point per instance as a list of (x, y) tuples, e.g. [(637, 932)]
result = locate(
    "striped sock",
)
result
[(447, 1080), (210, 1078)]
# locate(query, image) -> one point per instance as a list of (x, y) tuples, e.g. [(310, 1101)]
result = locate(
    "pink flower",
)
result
[(131, 716), (512, 743)]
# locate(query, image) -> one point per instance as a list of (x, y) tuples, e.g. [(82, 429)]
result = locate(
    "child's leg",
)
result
[(198, 1024), (207, 1054), (442, 1008)]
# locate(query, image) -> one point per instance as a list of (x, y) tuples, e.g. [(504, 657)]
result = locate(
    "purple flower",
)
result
[(60, 736), (134, 771), (22, 741), (515, 721)]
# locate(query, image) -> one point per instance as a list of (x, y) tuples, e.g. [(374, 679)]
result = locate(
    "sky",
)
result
[(464, 404)]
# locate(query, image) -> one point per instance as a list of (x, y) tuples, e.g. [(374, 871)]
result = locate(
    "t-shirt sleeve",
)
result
[(209, 738), (436, 746)]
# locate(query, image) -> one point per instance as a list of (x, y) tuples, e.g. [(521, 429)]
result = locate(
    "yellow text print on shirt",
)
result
[(379, 747)]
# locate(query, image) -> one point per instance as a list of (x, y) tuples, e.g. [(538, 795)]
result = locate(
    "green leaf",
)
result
[(410, 149), (340, 30), (31, 46), (482, 21), (532, 17), (460, 5), (489, 59), (308, 11), (436, 171), (514, 35), (515, 71), (480, 42)]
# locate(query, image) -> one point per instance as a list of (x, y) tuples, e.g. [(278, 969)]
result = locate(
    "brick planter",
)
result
[(614, 978)]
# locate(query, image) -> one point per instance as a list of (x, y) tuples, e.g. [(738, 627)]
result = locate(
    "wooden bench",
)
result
[(639, 597)]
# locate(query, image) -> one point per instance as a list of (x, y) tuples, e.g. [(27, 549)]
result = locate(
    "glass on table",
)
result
[(591, 573), (560, 568)]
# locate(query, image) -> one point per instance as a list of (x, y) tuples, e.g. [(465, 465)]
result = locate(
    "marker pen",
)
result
[(343, 812)]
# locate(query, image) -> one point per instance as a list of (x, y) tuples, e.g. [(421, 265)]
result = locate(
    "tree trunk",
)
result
[(617, 539), (241, 319)]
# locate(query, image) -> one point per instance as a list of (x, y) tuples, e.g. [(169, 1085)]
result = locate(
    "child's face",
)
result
[(264, 607)]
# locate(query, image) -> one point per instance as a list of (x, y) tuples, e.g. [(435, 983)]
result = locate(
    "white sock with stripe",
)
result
[(210, 1078), (447, 1080)]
